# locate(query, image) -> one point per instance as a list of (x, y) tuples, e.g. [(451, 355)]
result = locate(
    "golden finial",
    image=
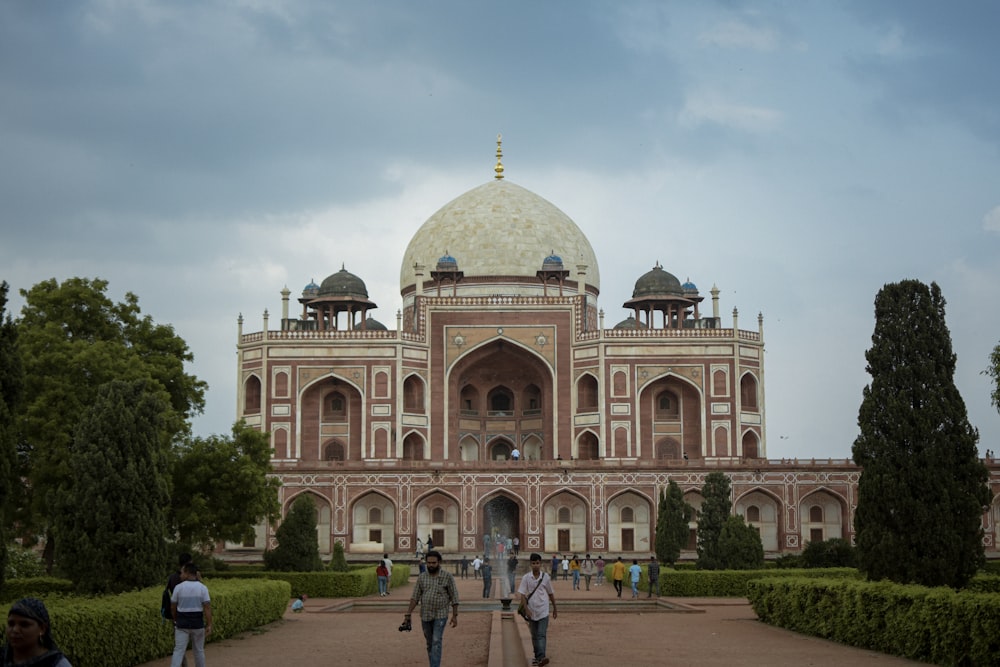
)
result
[(499, 168)]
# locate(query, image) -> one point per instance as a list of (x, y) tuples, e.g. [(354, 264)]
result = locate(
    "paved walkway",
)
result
[(594, 629)]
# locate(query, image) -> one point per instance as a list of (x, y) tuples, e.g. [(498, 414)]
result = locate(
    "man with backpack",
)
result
[(172, 581), (191, 608)]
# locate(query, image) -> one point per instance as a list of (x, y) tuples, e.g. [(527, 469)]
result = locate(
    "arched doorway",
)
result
[(501, 518), (500, 449)]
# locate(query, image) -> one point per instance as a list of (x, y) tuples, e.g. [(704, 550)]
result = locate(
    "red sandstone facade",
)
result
[(406, 434)]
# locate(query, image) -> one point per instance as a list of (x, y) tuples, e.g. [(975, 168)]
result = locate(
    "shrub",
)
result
[(126, 629), (836, 552), (338, 563), (22, 563), (733, 583), (739, 545), (936, 625), (38, 587)]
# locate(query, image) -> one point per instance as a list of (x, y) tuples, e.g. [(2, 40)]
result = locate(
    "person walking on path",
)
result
[(599, 567), (537, 592), (511, 572), (618, 575), (517, 545), (565, 567), (635, 573), (388, 566), (574, 570), (587, 569), (653, 570), (555, 567), (191, 608), (172, 581), (29, 636), (465, 567), (382, 573), (477, 563), (487, 571), (435, 591)]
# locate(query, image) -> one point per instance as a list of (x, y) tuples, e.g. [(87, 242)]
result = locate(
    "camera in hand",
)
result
[(406, 626)]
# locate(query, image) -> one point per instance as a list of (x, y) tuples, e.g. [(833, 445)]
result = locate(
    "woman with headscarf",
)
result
[(29, 637)]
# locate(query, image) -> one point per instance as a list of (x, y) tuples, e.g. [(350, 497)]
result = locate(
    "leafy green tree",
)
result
[(836, 552), (740, 547), (11, 387), (993, 370), (298, 544), (112, 523), (339, 561), (672, 523), (714, 512), (221, 487), (73, 339), (923, 488)]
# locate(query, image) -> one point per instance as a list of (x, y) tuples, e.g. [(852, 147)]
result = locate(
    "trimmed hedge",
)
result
[(328, 584), (935, 625), (38, 587), (123, 630), (733, 583)]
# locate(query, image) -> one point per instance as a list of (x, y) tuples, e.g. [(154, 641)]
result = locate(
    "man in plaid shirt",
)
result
[(653, 570), (435, 590)]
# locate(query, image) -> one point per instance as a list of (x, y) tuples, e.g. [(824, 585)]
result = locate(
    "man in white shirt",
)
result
[(191, 609), (477, 563), (516, 454), (537, 593)]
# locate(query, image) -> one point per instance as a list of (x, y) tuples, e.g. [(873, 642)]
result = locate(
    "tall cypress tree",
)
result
[(714, 513), (298, 544), (112, 521), (922, 489), (11, 387), (672, 519)]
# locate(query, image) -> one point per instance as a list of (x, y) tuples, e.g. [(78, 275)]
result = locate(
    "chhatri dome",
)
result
[(499, 230)]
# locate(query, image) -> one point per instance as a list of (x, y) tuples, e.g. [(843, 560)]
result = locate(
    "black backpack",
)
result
[(165, 604)]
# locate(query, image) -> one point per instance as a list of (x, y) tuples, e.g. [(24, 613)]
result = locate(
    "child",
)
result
[(299, 603)]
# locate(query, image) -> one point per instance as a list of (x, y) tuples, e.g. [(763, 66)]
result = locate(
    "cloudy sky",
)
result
[(205, 154)]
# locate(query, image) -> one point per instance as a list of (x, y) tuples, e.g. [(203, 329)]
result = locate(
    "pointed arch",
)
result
[(587, 393), (688, 425), (531, 448), (668, 448), (750, 445), (373, 523), (587, 446), (468, 448), (762, 510), (630, 517), (565, 513), (251, 394), (437, 516), (280, 382), (318, 410), (749, 399), (415, 447), (823, 515), (413, 394)]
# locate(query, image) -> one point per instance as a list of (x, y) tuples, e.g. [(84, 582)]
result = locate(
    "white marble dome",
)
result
[(499, 229)]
